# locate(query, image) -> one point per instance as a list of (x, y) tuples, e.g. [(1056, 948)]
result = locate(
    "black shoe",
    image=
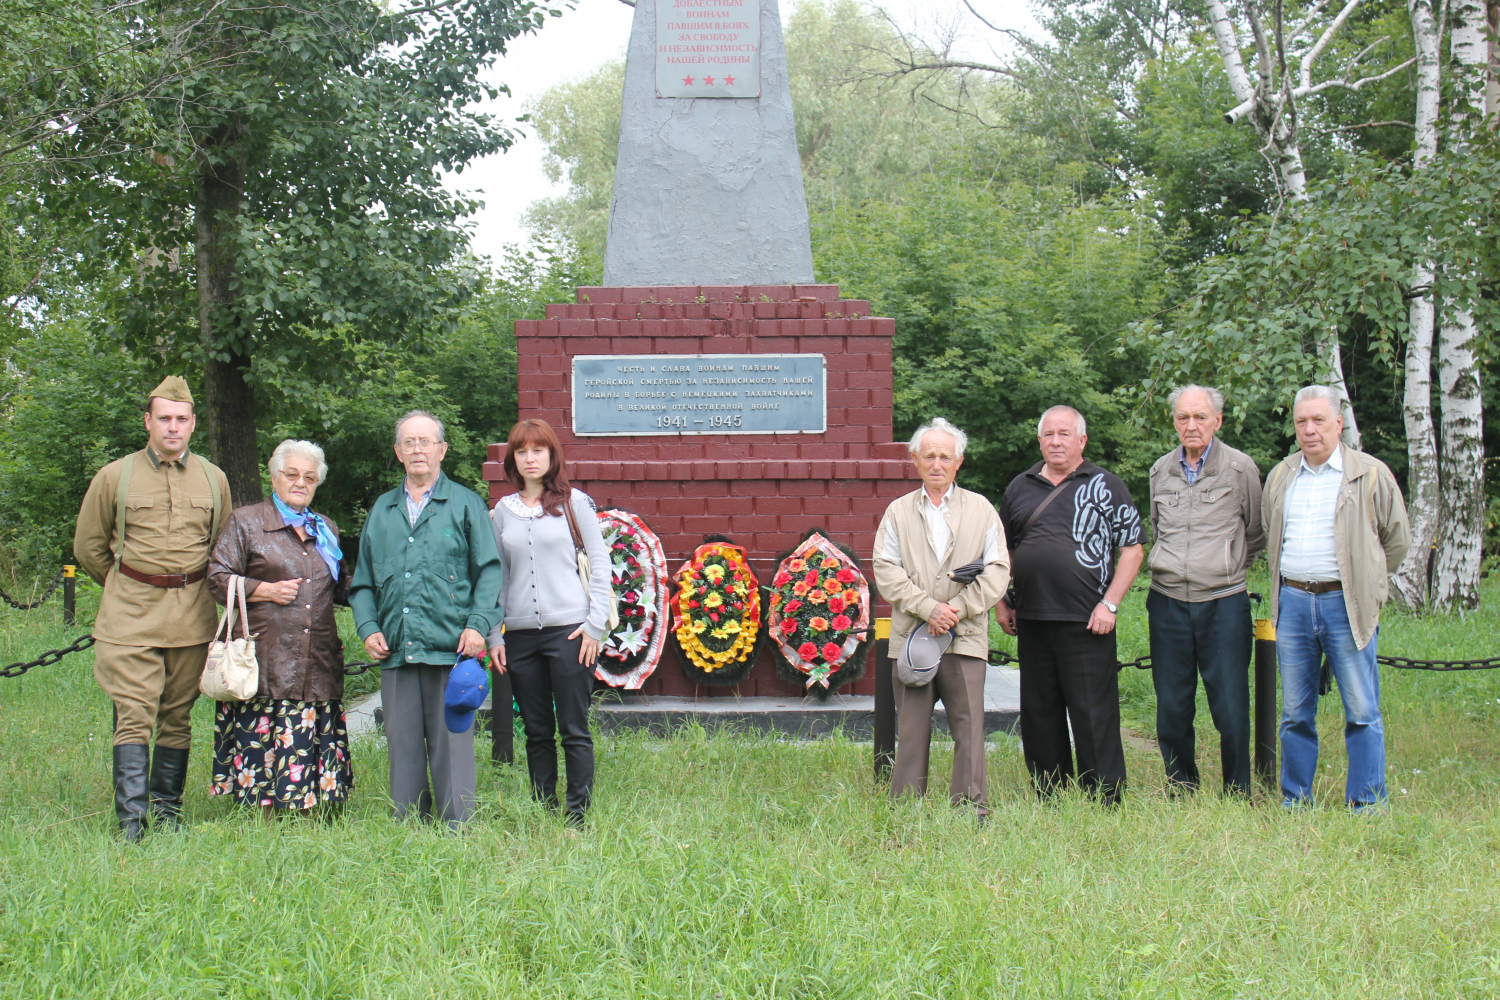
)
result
[(168, 776), (573, 819), (132, 761)]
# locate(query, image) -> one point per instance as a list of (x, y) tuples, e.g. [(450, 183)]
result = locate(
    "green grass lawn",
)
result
[(743, 867)]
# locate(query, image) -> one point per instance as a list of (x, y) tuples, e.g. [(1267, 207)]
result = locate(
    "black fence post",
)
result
[(1265, 702), (885, 702), (502, 720), (70, 595)]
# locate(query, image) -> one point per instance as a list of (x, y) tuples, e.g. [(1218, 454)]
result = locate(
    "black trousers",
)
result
[(1068, 675), (1212, 638), (544, 671)]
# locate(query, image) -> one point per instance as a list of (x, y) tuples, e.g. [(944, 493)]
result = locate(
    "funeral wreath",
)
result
[(718, 613)]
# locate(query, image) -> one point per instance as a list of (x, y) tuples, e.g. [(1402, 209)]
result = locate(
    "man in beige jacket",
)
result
[(1336, 529), (922, 538), (1205, 513)]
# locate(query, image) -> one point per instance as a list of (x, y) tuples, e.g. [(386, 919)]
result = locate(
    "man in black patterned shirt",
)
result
[(1066, 519)]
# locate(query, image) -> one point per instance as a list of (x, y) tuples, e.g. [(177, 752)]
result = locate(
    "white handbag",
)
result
[(231, 673)]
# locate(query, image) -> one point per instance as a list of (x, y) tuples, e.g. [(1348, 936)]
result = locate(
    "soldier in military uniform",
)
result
[(145, 531)]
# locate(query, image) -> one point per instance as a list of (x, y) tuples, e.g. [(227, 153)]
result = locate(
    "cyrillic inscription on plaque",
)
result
[(708, 48), (700, 394)]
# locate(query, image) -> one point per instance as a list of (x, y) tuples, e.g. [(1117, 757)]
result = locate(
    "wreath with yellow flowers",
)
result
[(819, 615), (717, 604)]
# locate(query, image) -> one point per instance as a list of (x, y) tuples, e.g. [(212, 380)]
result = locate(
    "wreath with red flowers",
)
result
[(820, 615), (717, 624), (631, 650)]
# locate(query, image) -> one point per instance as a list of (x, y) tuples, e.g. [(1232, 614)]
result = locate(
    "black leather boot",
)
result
[(132, 761), (168, 776)]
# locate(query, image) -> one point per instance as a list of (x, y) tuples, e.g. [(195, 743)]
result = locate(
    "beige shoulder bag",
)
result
[(585, 570), (231, 673)]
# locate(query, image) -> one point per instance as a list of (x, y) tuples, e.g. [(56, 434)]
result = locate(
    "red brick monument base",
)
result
[(762, 490)]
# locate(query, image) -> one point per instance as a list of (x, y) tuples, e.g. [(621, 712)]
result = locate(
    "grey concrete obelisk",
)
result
[(708, 191)]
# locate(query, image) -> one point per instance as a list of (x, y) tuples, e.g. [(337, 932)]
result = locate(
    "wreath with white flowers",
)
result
[(717, 624), (631, 650), (819, 615)]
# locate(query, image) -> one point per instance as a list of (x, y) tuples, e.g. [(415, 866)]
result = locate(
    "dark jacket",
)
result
[(297, 645), (421, 585)]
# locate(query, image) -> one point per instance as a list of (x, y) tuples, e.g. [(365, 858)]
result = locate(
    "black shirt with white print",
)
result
[(1064, 564)]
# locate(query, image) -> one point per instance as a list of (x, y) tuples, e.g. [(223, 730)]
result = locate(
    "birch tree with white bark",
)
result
[(1286, 59), (1455, 580), (1423, 489)]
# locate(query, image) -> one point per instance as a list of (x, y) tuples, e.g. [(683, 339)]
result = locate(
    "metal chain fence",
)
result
[(51, 589)]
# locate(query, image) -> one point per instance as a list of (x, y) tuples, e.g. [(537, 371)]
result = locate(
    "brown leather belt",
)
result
[(1326, 587), (168, 580)]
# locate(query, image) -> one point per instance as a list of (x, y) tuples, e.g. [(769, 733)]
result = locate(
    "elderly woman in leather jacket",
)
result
[(286, 748)]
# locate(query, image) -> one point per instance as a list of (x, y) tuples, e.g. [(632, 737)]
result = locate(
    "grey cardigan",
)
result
[(541, 571)]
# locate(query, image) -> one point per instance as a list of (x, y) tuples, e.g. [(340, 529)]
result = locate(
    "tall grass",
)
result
[(736, 866)]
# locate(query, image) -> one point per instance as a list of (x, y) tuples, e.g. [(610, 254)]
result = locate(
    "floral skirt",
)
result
[(277, 752)]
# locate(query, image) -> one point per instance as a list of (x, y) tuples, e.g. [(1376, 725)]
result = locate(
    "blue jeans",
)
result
[(1308, 628)]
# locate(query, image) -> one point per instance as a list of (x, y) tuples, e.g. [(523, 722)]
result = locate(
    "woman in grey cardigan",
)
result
[(552, 625)]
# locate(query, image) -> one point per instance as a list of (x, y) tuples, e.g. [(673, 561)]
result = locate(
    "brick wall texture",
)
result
[(763, 491)]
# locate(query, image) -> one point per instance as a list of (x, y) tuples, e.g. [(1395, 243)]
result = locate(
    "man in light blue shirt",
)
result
[(1336, 529)]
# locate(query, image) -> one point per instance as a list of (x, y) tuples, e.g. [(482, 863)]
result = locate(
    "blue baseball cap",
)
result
[(468, 685)]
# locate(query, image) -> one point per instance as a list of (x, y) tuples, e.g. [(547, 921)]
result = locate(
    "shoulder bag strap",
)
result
[(573, 524), (226, 620), (1015, 543), (239, 588), (121, 488), (213, 488)]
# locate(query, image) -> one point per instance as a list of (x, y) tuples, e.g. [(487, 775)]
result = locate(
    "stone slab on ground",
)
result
[(802, 718)]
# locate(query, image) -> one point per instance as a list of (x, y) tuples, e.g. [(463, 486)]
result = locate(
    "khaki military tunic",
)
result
[(152, 640), (169, 518)]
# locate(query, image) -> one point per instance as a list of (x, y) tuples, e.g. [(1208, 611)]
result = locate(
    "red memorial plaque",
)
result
[(762, 490)]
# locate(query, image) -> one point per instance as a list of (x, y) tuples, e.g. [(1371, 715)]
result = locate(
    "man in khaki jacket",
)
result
[(923, 537), (1205, 514), (1336, 529), (145, 531)]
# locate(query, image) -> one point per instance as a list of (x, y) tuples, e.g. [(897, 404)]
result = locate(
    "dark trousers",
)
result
[(1211, 638), (544, 671), (1068, 675)]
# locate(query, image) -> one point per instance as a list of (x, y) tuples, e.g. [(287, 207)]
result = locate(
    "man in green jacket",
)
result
[(425, 593)]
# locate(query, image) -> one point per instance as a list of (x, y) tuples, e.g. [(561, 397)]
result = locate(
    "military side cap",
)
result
[(173, 388)]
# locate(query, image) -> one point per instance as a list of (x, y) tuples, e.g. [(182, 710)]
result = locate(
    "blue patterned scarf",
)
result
[(317, 529)]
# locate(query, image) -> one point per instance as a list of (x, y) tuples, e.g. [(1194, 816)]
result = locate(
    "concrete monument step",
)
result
[(803, 718)]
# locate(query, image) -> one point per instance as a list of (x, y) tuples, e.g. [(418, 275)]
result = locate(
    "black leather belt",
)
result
[(1326, 587), (171, 581)]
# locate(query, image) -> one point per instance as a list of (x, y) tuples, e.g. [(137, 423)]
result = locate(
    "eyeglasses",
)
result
[(412, 445), (310, 479)]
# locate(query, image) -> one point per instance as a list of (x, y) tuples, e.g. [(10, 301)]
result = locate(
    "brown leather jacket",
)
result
[(297, 645)]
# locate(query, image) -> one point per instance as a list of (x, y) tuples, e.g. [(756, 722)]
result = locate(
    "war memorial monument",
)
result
[(710, 386)]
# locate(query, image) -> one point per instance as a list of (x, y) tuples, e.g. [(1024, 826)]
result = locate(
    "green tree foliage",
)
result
[(1006, 302), (294, 202), (71, 400)]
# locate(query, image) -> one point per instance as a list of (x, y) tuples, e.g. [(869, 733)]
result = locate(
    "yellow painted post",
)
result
[(1265, 702), (885, 702), (70, 595)]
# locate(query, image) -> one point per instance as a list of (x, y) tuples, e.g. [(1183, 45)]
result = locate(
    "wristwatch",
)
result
[(1114, 609)]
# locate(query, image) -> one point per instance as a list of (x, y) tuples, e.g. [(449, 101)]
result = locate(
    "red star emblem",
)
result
[(688, 80), (729, 81), (708, 81)]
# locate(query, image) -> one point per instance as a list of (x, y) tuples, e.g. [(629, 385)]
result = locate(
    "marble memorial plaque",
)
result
[(708, 48), (699, 394)]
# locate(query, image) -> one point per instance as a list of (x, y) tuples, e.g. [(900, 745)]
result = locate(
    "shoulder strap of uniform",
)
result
[(121, 488), (213, 487)]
